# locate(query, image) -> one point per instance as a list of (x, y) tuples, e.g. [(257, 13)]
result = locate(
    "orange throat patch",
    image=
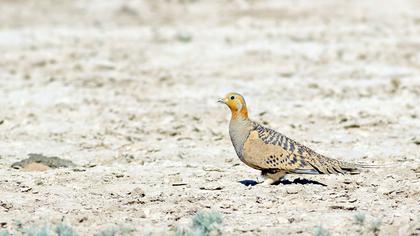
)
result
[(243, 113)]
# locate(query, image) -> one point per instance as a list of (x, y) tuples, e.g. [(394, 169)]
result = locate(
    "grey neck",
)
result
[(239, 131)]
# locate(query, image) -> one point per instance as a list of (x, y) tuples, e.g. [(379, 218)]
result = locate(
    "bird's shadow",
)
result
[(303, 181)]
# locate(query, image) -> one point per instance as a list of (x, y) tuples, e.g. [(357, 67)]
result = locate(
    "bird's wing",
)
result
[(272, 150)]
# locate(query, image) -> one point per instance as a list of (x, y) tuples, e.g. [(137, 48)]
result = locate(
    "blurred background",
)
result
[(75, 70)]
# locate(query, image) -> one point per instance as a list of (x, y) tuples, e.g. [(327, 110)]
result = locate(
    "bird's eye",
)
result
[(232, 97)]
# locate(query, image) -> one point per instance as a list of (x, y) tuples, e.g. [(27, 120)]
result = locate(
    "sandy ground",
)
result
[(127, 90)]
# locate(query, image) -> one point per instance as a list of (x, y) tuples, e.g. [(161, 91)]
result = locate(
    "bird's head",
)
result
[(236, 104)]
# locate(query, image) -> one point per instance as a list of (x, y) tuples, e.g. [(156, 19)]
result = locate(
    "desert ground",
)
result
[(127, 91)]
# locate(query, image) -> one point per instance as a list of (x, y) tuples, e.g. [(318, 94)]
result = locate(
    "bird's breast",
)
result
[(239, 131)]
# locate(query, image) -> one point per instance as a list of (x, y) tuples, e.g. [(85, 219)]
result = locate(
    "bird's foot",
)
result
[(267, 182), (264, 181), (260, 179)]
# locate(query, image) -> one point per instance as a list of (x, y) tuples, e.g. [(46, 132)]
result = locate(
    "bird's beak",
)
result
[(221, 100)]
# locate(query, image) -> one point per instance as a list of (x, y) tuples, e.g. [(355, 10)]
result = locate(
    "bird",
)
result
[(273, 153)]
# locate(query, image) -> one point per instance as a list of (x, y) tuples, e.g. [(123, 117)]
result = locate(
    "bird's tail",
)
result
[(326, 165)]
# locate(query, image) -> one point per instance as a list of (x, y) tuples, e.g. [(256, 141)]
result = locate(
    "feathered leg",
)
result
[(272, 176)]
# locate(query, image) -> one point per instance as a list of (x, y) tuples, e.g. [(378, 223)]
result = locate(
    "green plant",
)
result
[(207, 222), (35, 231), (184, 231), (203, 224), (375, 226), (121, 229), (359, 218), (19, 225), (4, 232), (64, 230), (321, 231), (184, 37), (111, 231)]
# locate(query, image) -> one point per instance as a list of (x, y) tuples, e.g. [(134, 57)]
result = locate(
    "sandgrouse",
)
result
[(272, 152)]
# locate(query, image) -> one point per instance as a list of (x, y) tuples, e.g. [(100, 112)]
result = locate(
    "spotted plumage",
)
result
[(273, 153)]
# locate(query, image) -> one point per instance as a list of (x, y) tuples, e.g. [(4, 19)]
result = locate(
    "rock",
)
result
[(211, 187), (39, 162), (175, 179), (141, 213), (137, 193), (283, 221), (35, 167), (343, 207), (292, 191), (416, 140), (136, 196), (25, 189), (83, 219), (385, 191), (90, 165), (6, 205), (352, 126), (118, 175), (213, 169), (352, 200)]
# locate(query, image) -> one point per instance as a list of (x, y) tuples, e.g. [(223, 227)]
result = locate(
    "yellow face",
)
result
[(236, 103)]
